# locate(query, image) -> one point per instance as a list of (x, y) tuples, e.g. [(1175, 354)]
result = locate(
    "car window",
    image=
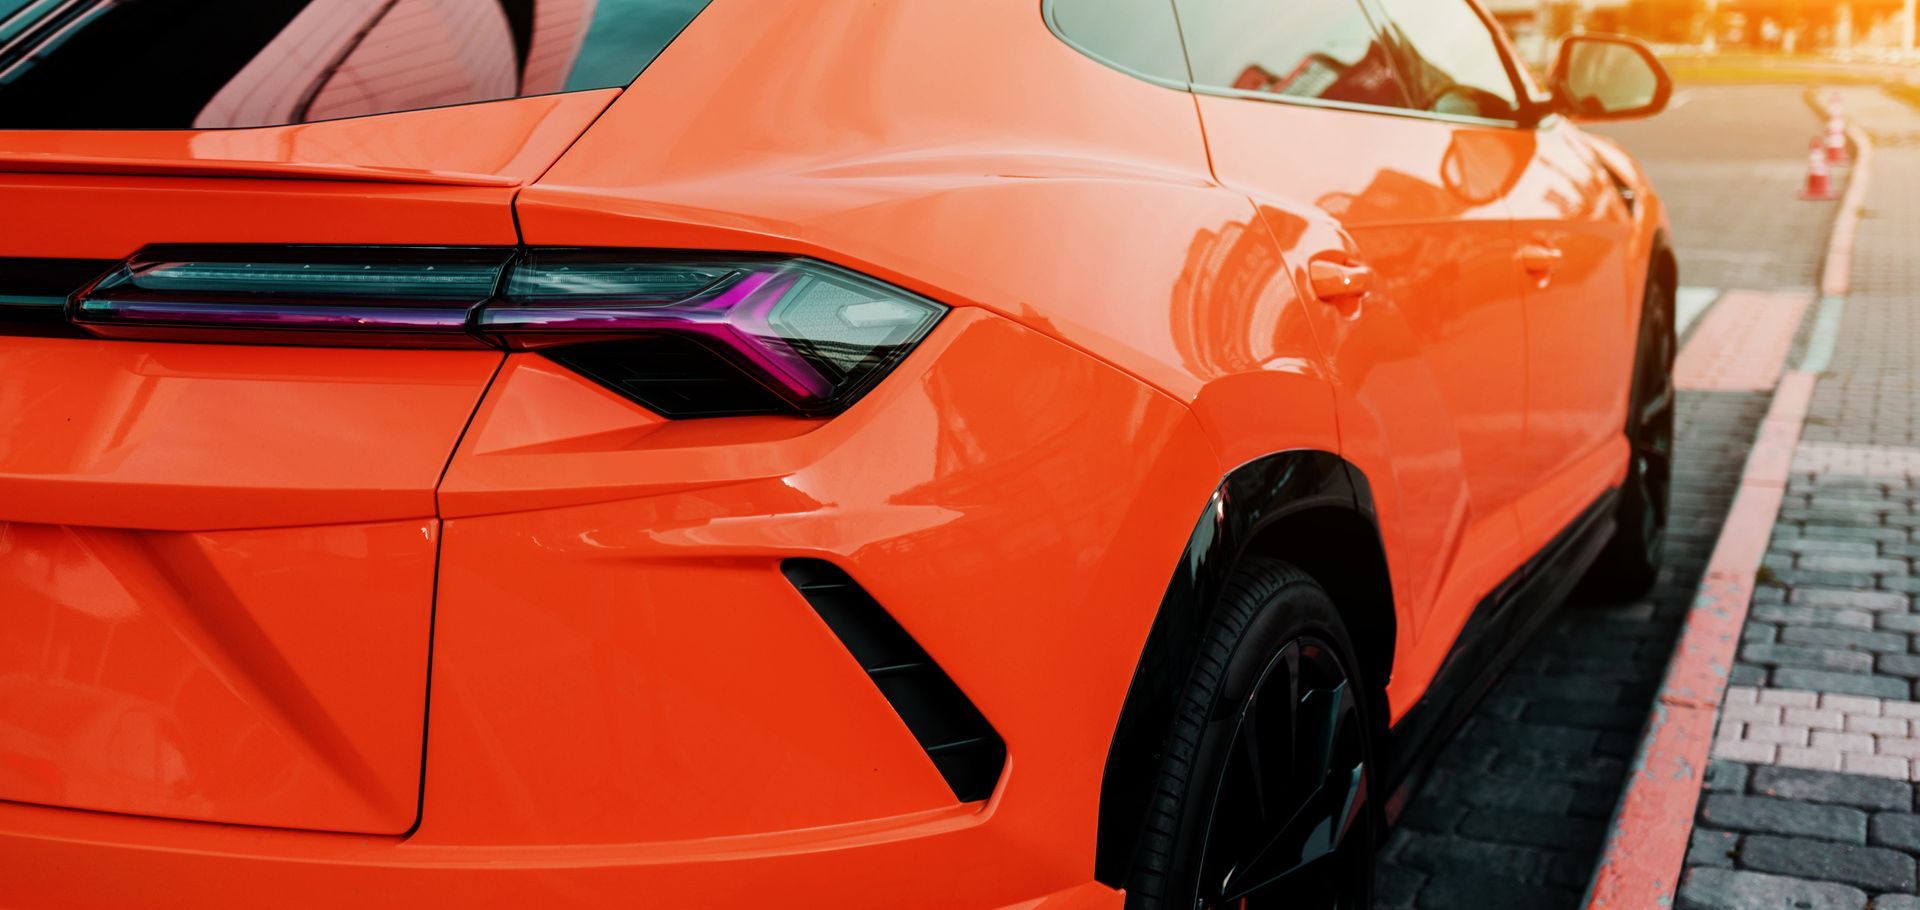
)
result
[(1450, 59), (130, 64), (1326, 49), (1139, 35)]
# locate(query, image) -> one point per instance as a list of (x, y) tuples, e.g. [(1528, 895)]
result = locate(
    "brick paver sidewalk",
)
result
[(1811, 794)]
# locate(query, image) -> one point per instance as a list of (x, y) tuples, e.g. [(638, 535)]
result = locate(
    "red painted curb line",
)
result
[(1646, 848), (1647, 842)]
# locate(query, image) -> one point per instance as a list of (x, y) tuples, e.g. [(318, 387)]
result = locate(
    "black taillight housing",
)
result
[(686, 334)]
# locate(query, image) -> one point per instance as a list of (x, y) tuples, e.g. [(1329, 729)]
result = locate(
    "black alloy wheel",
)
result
[(1264, 798)]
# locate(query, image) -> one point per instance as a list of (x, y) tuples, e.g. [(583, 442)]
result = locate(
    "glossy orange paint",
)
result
[(1429, 369), (441, 176), (268, 677), (1564, 204), (218, 581), (627, 699)]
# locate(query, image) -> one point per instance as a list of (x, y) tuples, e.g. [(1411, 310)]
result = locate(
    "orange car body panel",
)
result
[(440, 176), (207, 630), (1429, 369), (269, 677), (624, 698)]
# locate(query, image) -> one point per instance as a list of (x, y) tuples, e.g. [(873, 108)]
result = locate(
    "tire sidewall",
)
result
[(1292, 608)]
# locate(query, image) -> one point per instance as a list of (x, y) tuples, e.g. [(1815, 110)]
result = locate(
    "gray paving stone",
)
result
[(1508, 734), (1396, 887), (1908, 623), (1906, 584), (1432, 853), (1436, 816), (1464, 894), (1896, 902), (1895, 829), (1858, 600), (1488, 792), (1813, 616), (1872, 868), (1708, 847), (1778, 816), (1832, 562), (1840, 683), (1747, 675), (1708, 888), (1532, 829), (1886, 642), (1587, 714), (1835, 659), (1835, 547), (1907, 665), (1821, 531), (1727, 776), (1794, 578), (1858, 791)]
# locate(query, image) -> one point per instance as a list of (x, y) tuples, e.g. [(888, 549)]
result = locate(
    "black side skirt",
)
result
[(1494, 635)]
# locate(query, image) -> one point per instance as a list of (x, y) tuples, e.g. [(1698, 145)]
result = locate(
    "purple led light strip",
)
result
[(737, 319)]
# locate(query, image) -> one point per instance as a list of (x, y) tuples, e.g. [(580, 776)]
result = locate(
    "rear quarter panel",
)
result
[(1039, 184)]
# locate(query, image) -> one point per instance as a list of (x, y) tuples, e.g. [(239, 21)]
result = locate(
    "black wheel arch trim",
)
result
[(1250, 499), (1253, 498)]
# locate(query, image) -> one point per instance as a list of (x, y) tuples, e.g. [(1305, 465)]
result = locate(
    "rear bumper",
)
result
[(61, 858), (628, 698)]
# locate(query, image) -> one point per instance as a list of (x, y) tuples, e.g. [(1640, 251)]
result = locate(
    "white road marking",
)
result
[(1689, 303)]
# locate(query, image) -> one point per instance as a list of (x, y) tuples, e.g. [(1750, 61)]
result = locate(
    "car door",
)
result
[(1570, 230), (1572, 226), (1304, 110)]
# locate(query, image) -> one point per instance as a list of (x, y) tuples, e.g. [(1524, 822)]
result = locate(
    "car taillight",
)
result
[(362, 296), (691, 335)]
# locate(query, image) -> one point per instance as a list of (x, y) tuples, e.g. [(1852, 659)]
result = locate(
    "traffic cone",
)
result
[(1819, 179), (1836, 140)]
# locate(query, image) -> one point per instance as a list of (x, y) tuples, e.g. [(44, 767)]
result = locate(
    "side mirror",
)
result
[(1608, 77)]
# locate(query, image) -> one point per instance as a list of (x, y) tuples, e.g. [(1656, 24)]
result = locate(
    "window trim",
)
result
[(1354, 107)]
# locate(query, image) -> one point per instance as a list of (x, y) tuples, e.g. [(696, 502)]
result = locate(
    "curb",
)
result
[(1647, 840)]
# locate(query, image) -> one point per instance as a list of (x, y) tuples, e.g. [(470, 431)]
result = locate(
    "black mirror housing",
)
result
[(1608, 77)]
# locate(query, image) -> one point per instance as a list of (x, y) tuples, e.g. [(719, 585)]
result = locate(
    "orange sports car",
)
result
[(796, 453)]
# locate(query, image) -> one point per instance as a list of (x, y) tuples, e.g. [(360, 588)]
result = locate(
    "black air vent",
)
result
[(963, 746)]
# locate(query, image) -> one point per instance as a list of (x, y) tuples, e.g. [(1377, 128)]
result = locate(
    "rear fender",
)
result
[(1252, 502)]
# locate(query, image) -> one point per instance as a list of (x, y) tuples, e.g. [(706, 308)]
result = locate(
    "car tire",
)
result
[(1265, 782), (1631, 562)]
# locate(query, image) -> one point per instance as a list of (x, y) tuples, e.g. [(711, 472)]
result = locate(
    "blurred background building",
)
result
[(1878, 29)]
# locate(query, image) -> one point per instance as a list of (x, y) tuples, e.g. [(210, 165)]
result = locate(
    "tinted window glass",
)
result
[(1452, 63), (1303, 48), (1137, 34), (83, 64)]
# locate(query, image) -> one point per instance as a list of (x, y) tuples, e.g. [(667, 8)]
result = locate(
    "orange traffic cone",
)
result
[(1819, 179), (1836, 140)]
